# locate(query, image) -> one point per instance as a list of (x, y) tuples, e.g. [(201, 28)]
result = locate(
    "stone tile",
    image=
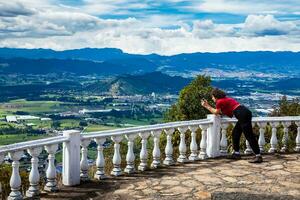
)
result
[(169, 182), (229, 179), (177, 190), (274, 167), (141, 185), (276, 173), (192, 183), (202, 195), (204, 171), (159, 187), (235, 173), (290, 184), (208, 180)]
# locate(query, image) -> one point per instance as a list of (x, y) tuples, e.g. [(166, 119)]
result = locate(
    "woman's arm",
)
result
[(205, 104)]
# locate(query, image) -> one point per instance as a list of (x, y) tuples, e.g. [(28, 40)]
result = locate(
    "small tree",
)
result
[(287, 108), (189, 106), (83, 123), (56, 124)]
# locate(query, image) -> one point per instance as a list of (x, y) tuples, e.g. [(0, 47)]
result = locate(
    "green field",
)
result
[(32, 107), (10, 139)]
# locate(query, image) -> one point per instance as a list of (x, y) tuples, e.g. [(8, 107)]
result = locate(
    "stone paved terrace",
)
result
[(278, 177)]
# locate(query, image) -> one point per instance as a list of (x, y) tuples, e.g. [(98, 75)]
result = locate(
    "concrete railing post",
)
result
[(71, 158), (213, 136)]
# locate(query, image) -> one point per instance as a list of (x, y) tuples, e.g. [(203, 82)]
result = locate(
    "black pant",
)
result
[(244, 125)]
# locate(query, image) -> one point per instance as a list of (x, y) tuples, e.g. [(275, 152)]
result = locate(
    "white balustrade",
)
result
[(100, 162), (285, 137), (130, 157), (193, 146), (34, 176), (75, 167), (297, 148), (117, 157), (51, 185), (15, 179), (223, 142), (144, 153), (182, 145), (169, 147), (84, 165), (273, 140), (261, 139), (156, 151), (203, 142)]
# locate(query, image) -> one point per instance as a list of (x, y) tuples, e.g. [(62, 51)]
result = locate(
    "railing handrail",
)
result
[(107, 133), (139, 129), (32, 144), (264, 119)]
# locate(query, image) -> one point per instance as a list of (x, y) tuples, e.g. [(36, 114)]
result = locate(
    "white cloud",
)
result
[(247, 6), (57, 26), (12, 9), (268, 25)]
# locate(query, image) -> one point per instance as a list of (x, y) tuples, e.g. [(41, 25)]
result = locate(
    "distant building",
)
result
[(11, 119), (84, 111), (30, 124), (153, 95), (46, 119), (27, 117)]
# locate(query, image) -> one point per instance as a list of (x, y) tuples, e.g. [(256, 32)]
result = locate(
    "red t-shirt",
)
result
[(227, 106)]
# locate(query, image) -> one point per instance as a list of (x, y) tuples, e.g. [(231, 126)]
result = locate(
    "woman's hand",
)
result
[(204, 103)]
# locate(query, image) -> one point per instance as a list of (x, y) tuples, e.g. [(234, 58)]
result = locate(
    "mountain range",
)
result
[(110, 61)]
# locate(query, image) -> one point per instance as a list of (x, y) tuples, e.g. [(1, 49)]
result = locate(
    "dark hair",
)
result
[(218, 94)]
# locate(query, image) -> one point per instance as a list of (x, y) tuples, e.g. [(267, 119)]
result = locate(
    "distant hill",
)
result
[(79, 67), (288, 84), (115, 61), (122, 85), (75, 54), (147, 83)]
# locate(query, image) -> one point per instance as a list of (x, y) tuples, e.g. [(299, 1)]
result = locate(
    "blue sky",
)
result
[(164, 27)]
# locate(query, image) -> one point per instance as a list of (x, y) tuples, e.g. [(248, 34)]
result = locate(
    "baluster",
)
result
[(297, 149), (156, 151), (117, 157), (51, 185), (182, 146), (261, 139), (193, 145), (169, 148), (34, 176), (100, 162), (273, 140), (203, 142), (130, 157), (285, 137), (223, 142), (248, 149), (15, 179), (84, 165), (1, 161), (144, 153)]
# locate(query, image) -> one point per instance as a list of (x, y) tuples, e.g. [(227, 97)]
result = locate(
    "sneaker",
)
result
[(234, 156), (257, 159)]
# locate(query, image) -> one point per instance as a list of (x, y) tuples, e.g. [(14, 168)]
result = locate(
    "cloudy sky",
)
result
[(152, 26)]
